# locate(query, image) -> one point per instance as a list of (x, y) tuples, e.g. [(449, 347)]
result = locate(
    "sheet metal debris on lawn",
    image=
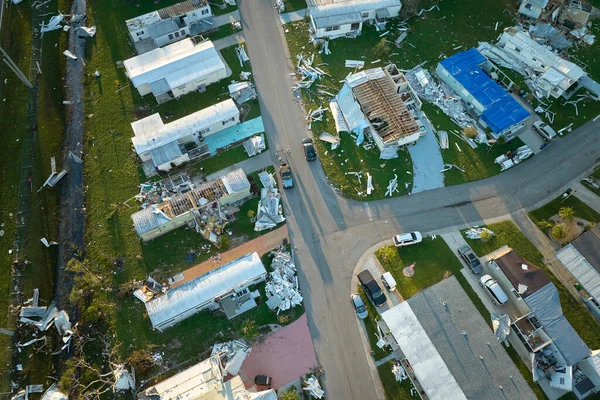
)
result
[(255, 145), (241, 54), (475, 232), (513, 157), (329, 138), (270, 212), (232, 355), (242, 92), (282, 288), (309, 73), (399, 371)]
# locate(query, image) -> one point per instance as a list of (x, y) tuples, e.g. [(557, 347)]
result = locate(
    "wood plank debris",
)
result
[(355, 64)]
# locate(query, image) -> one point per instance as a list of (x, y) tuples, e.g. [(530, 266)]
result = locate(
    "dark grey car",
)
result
[(469, 257)]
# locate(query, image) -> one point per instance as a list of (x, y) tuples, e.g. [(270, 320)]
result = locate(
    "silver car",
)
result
[(359, 306)]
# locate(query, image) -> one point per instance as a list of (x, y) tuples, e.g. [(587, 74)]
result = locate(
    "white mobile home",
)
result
[(337, 18), (171, 24), (175, 70), (164, 144), (217, 288)]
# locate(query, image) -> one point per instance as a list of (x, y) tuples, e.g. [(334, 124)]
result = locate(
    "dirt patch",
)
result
[(575, 228)]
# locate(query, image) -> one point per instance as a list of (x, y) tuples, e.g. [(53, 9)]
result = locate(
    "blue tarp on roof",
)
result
[(501, 110)]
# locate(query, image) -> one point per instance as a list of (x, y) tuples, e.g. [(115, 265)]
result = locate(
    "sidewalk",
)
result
[(261, 245), (294, 16), (230, 40), (225, 19), (586, 195)]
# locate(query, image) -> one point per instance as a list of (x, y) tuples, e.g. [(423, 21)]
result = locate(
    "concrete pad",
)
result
[(284, 355), (532, 139), (427, 164)]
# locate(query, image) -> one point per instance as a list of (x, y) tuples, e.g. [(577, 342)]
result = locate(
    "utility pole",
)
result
[(15, 69)]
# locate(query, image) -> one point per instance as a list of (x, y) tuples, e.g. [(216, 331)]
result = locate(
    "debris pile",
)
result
[(241, 54), (355, 64), (322, 45), (282, 288), (54, 394), (475, 233), (399, 371), (501, 326), (255, 145), (280, 6), (43, 317), (241, 92), (392, 186), (54, 23), (513, 157), (124, 381), (245, 75), (440, 95), (443, 139), (309, 73), (85, 32), (155, 192), (54, 177), (232, 355), (316, 115), (147, 289), (210, 221), (312, 386), (270, 212)]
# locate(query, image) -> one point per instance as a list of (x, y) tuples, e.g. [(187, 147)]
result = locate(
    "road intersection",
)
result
[(330, 233)]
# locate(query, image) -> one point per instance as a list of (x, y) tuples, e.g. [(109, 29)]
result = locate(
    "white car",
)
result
[(359, 306), (406, 239), (493, 290), (544, 130)]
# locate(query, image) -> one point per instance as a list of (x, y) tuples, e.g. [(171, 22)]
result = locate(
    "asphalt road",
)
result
[(331, 233)]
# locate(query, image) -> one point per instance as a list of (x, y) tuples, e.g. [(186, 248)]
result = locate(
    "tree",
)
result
[(249, 329), (290, 394), (251, 214), (382, 48), (560, 231), (485, 235), (566, 213), (544, 224)]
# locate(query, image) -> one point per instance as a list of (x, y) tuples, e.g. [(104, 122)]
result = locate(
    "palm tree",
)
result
[(566, 213), (560, 231)]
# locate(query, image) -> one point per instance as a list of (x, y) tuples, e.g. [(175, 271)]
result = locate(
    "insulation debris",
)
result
[(255, 145), (124, 381), (443, 137), (514, 157), (282, 288), (241, 92), (399, 371), (355, 64), (70, 55), (392, 186), (312, 386), (241, 54), (475, 232), (270, 212)]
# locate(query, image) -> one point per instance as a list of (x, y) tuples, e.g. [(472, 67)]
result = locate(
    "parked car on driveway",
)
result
[(372, 288), (406, 239), (359, 306), (309, 149), (493, 290), (469, 257), (545, 131)]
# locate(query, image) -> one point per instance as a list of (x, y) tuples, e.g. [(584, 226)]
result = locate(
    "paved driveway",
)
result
[(427, 164)]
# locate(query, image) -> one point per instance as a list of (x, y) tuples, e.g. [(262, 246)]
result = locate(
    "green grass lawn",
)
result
[(395, 390), (477, 163), (433, 261), (222, 160), (294, 5), (506, 233), (595, 174), (580, 210), (371, 326), (221, 32), (217, 10)]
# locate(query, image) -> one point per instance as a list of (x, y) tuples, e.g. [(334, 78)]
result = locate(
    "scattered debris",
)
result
[(355, 64), (475, 232), (124, 381), (444, 142), (312, 386), (54, 394), (514, 157), (70, 55), (282, 287), (255, 145), (329, 138), (241, 54), (369, 183), (399, 371), (53, 24), (270, 212), (448, 167), (392, 186), (400, 38), (427, 10), (309, 73), (85, 32), (54, 177), (232, 355), (46, 243), (280, 6), (241, 92)]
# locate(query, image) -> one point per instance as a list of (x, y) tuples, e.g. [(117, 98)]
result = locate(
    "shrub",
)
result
[(140, 360), (566, 213), (544, 224), (486, 235), (382, 49), (560, 231)]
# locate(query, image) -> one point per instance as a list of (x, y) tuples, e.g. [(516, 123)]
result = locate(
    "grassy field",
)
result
[(294, 5), (429, 47), (371, 326), (433, 260), (506, 233), (394, 390), (477, 163), (580, 210)]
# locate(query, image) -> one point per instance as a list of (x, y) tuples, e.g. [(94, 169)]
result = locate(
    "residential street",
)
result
[(330, 233)]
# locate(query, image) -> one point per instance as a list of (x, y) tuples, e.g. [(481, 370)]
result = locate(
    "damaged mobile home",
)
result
[(164, 146), (339, 18), (170, 24), (546, 73), (379, 103), (175, 70), (465, 73), (202, 208), (224, 288)]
